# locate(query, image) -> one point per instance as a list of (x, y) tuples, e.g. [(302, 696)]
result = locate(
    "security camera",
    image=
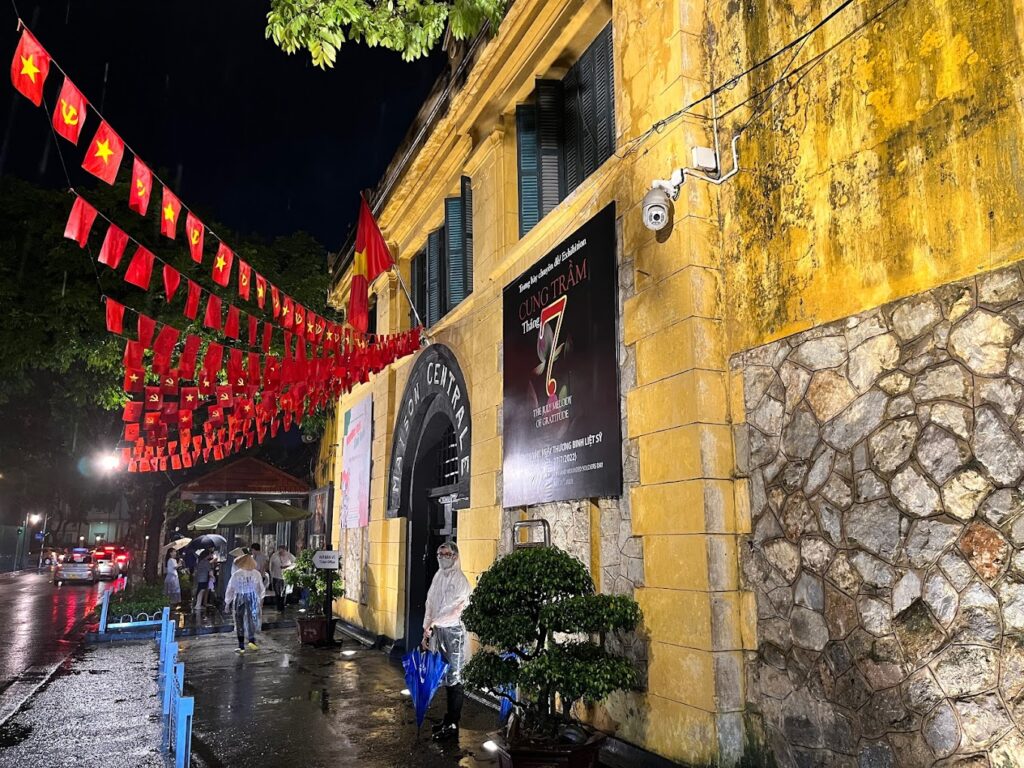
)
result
[(657, 205)]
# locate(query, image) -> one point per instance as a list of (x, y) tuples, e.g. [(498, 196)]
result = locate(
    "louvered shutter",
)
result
[(572, 160), (418, 277), (529, 172), (467, 225), (604, 93), (550, 136), (455, 251), (435, 276)]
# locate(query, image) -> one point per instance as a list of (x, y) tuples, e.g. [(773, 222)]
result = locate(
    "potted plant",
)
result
[(314, 627), (542, 630)]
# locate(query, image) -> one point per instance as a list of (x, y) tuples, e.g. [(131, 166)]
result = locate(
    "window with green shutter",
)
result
[(418, 288), (458, 228), (567, 132), (436, 278)]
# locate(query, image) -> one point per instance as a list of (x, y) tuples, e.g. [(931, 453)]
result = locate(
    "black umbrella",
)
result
[(208, 541)]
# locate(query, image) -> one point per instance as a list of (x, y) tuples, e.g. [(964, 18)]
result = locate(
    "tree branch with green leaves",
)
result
[(409, 27)]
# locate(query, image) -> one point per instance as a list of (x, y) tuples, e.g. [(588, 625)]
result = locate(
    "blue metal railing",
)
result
[(178, 710), (138, 622)]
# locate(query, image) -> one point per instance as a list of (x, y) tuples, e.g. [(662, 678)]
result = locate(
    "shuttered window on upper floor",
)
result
[(442, 274), (567, 131)]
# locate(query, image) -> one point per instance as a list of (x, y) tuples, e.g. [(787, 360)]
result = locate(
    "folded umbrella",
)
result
[(424, 671)]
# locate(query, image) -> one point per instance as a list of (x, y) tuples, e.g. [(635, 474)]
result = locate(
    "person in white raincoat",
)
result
[(443, 631), (244, 598)]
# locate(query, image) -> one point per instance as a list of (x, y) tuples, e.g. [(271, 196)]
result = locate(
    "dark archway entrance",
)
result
[(429, 477)]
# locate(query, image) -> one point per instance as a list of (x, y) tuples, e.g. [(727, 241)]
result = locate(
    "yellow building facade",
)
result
[(879, 153)]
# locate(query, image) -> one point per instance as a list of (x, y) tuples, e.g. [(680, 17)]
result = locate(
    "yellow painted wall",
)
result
[(893, 167)]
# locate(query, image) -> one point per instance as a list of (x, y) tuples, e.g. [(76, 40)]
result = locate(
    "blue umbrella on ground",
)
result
[(424, 671)]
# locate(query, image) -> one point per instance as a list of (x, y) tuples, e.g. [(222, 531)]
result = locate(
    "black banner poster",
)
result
[(561, 412)]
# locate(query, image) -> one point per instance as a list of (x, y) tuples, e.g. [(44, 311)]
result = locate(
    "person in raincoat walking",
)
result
[(244, 598), (172, 584), (443, 631)]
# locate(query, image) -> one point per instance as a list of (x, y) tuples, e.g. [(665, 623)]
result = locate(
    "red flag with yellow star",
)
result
[(371, 258), (261, 290), (104, 155), (69, 116), (30, 67), (222, 265), (141, 188), (170, 208), (194, 231)]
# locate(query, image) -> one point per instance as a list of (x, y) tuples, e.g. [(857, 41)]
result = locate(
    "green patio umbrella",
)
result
[(248, 513)]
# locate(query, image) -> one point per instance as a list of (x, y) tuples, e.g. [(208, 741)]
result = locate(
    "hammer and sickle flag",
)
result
[(194, 232), (69, 116), (103, 157), (29, 68), (141, 189), (371, 258)]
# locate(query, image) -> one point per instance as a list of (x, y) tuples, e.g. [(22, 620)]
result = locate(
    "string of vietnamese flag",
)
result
[(243, 395)]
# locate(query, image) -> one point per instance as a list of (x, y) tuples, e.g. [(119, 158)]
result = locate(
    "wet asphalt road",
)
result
[(40, 625), (291, 705)]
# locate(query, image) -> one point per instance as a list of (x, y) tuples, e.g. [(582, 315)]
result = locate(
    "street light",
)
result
[(108, 462), (34, 518)]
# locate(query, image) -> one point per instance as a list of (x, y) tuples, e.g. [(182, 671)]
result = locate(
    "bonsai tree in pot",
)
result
[(543, 631), (314, 627)]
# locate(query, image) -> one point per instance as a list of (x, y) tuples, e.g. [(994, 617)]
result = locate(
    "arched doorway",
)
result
[(429, 476)]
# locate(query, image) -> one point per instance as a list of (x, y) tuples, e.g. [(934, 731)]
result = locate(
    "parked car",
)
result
[(77, 566), (105, 565), (120, 555)]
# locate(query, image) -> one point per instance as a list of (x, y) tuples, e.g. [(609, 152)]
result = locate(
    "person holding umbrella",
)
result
[(244, 598), (443, 629)]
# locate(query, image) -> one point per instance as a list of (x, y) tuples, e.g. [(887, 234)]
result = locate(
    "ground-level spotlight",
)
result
[(348, 653), (490, 746), (406, 692)]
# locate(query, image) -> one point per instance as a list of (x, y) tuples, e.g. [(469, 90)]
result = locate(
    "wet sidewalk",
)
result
[(289, 704), (101, 708)]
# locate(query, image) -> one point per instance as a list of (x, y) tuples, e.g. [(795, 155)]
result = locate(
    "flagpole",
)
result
[(405, 290)]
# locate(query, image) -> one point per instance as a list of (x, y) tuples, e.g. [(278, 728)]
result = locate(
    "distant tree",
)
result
[(410, 27), (61, 372)]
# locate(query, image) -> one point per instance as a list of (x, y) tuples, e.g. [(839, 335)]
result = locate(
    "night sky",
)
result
[(264, 142)]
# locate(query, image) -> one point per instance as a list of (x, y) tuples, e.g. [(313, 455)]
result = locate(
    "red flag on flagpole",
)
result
[(29, 68), (142, 187), (371, 258), (104, 155), (69, 116), (80, 222)]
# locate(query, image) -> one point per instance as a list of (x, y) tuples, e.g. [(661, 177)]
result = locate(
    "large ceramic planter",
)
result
[(552, 755), (312, 630)]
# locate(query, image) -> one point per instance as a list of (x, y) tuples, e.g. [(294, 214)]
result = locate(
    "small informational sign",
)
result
[(326, 559), (39, 535)]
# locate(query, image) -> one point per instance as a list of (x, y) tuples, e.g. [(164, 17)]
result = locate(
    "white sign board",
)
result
[(355, 465), (327, 559)]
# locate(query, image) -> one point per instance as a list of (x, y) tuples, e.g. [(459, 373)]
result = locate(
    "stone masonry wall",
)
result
[(885, 462)]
